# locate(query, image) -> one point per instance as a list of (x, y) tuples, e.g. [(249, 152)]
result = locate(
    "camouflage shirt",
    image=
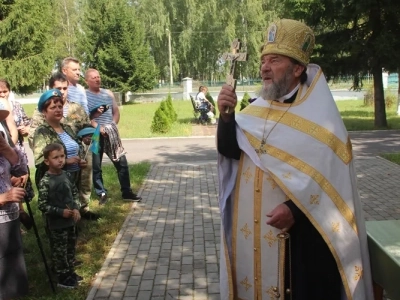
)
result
[(56, 193), (76, 118), (43, 136)]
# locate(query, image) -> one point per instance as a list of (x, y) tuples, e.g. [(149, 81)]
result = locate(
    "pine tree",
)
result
[(161, 123), (166, 110), (27, 47), (112, 41), (173, 114)]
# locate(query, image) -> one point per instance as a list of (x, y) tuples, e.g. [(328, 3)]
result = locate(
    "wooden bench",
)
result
[(384, 250), (196, 111), (195, 108)]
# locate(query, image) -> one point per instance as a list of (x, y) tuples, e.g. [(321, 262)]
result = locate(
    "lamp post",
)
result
[(170, 57)]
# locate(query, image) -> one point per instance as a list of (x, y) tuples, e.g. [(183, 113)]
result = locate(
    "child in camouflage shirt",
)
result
[(59, 201)]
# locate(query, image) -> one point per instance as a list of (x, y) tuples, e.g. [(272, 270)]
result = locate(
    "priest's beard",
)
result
[(278, 89)]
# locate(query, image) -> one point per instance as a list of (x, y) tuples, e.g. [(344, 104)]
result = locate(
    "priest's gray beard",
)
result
[(278, 89)]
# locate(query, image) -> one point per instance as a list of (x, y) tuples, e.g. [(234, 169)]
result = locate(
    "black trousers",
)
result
[(314, 272)]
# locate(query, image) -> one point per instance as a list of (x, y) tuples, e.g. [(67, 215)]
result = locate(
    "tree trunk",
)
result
[(379, 99)]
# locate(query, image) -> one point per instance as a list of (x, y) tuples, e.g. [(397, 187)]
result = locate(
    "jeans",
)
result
[(122, 170)]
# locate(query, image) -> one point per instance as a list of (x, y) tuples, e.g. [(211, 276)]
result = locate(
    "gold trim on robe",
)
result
[(341, 149), (303, 167)]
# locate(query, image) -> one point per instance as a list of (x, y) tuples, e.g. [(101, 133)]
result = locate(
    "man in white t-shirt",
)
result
[(202, 102)]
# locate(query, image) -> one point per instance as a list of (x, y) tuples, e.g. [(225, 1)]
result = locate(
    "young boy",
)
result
[(59, 201)]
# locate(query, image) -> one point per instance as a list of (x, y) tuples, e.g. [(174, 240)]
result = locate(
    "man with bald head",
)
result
[(104, 100), (292, 223)]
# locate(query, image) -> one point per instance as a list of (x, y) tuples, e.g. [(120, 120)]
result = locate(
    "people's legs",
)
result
[(123, 174), (13, 275), (97, 173), (71, 246), (86, 182), (77, 179), (59, 242)]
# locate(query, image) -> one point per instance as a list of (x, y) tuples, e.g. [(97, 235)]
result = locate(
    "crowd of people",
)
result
[(60, 135)]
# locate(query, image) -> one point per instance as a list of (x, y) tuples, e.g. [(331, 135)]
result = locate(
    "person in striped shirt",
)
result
[(70, 67), (97, 96)]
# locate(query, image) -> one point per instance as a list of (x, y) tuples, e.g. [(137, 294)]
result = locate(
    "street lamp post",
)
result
[(170, 57)]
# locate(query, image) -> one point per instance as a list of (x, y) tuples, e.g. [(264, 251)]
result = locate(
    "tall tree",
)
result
[(201, 31), (26, 43), (153, 14), (354, 37), (251, 24), (66, 29), (113, 42)]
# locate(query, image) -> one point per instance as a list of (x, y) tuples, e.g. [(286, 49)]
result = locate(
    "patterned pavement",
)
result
[(168, 247)]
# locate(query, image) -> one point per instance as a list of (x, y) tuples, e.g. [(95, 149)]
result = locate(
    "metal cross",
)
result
[(233, 57), (261, 149)]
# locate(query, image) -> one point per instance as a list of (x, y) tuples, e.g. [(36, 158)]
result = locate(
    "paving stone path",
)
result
[(203, 130), (168, 247)]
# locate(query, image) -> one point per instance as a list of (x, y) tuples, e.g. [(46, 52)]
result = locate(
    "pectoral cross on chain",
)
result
[(261, 149), (234, 57)]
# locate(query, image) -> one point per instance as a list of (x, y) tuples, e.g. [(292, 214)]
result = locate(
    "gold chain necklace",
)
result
[(261, 149)]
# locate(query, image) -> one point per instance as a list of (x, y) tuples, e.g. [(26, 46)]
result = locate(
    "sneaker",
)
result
[(68, 282), (131, 197), (103, 199), (88, 215)]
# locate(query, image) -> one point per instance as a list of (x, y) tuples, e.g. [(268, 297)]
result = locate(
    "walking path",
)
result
[(168, 246)]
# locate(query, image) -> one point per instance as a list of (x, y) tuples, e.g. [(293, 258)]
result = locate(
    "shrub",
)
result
[(161, 122), (172, 113), (245, 101), (164, 107), (390, 100), (369, 97), (210, 98)]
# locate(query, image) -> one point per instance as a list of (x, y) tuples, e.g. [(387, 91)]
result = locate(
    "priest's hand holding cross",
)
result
[(227, 99)]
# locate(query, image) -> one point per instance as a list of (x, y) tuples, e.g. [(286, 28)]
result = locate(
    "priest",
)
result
[(292, 221)]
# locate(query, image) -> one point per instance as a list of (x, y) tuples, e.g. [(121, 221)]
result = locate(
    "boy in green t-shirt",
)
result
[(59, 201)]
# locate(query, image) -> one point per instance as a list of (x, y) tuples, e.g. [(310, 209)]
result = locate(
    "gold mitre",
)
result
[(290, 38)]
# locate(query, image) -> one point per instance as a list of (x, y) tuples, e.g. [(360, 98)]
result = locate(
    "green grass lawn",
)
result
[(94, 240), (136, 118), (357, 117), (393, 157)]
